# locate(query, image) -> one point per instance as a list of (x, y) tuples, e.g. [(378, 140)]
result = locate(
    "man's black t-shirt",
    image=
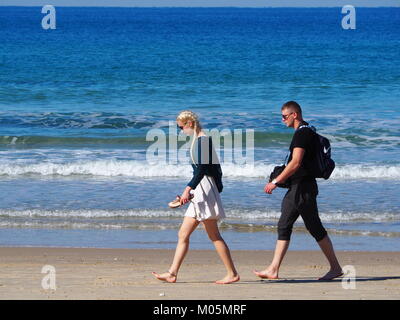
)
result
[(304, 138)]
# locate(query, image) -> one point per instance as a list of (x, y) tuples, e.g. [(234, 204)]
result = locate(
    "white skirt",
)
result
[(206, 203)]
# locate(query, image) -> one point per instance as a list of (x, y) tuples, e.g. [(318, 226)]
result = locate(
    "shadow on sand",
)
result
[(314, 280), (300, 280)]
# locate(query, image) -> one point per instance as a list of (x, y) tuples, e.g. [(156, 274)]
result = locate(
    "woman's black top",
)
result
[(206, 163)]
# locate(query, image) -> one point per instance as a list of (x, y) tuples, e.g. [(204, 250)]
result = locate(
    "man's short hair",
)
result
[(293, 106)]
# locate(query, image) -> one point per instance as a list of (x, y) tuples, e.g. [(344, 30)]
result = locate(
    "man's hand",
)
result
[(269, 187)]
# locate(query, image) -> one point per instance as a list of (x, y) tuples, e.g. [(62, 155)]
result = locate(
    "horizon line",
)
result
[(196, 7)]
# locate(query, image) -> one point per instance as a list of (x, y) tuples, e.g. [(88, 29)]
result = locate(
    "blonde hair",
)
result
[(185, 116)]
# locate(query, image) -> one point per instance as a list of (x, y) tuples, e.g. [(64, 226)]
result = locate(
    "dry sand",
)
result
[(126, 274)]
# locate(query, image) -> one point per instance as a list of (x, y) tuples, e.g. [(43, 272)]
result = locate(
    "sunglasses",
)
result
[(285, 116), (180, 127)]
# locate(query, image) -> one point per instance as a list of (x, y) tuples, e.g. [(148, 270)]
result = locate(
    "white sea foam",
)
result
[(89, 213), (367, 172), (235, 214), (142, 169), (233, 225)]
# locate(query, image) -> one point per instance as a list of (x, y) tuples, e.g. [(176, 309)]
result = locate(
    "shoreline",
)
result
[(96, 273), (191, 249)]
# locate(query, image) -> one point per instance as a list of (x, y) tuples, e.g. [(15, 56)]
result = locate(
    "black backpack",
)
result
[(322, 163)]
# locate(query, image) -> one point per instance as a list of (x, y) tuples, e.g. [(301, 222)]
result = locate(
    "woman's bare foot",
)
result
[(228, 279), (332, 274), (167, 277), (266, 274)]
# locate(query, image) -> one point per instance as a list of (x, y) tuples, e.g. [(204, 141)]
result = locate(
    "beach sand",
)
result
[(87, 273)]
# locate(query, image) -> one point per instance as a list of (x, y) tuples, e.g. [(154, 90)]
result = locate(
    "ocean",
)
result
[(80, 106)]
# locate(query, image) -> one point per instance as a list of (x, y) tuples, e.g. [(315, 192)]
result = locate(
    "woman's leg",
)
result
[(189, 224), (211, 227)]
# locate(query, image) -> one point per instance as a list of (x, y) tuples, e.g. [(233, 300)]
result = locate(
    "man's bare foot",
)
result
[(266, 274), (228, 279), (332, 274), (167, 277)]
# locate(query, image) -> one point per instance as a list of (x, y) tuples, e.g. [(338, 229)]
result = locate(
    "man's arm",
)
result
[(291, 168)]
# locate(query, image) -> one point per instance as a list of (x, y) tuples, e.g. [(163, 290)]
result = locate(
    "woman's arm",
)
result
[(199, 170), (198, 174)]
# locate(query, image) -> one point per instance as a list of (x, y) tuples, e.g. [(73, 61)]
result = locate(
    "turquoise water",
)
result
[(77, 102)]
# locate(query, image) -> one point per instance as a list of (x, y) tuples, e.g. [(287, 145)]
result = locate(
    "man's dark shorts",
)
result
[(301, 199)]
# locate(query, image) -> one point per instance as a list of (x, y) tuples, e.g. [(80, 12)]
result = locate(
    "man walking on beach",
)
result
[(301, 199)]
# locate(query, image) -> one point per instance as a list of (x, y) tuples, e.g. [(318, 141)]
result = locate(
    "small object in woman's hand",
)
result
[(177, 202)]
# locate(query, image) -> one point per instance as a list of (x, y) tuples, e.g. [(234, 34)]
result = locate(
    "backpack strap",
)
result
[(307, 126), (286, 158), (301, 127)]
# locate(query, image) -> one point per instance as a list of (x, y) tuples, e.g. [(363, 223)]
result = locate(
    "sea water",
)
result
[(77, 103)]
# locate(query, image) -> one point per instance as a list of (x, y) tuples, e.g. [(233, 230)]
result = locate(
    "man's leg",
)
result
[(272, 271), (285, 225), (335, 268), (309, 213)]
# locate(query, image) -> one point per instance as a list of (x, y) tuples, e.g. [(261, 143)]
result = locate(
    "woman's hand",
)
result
[(185, 195)]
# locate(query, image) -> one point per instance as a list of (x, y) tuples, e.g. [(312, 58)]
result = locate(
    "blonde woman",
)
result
[(206, 206)]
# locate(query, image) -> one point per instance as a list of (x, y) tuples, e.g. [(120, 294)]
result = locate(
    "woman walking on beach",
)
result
[(206, 206)]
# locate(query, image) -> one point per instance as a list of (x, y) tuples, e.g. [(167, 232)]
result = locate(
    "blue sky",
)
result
[(205, 3)]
